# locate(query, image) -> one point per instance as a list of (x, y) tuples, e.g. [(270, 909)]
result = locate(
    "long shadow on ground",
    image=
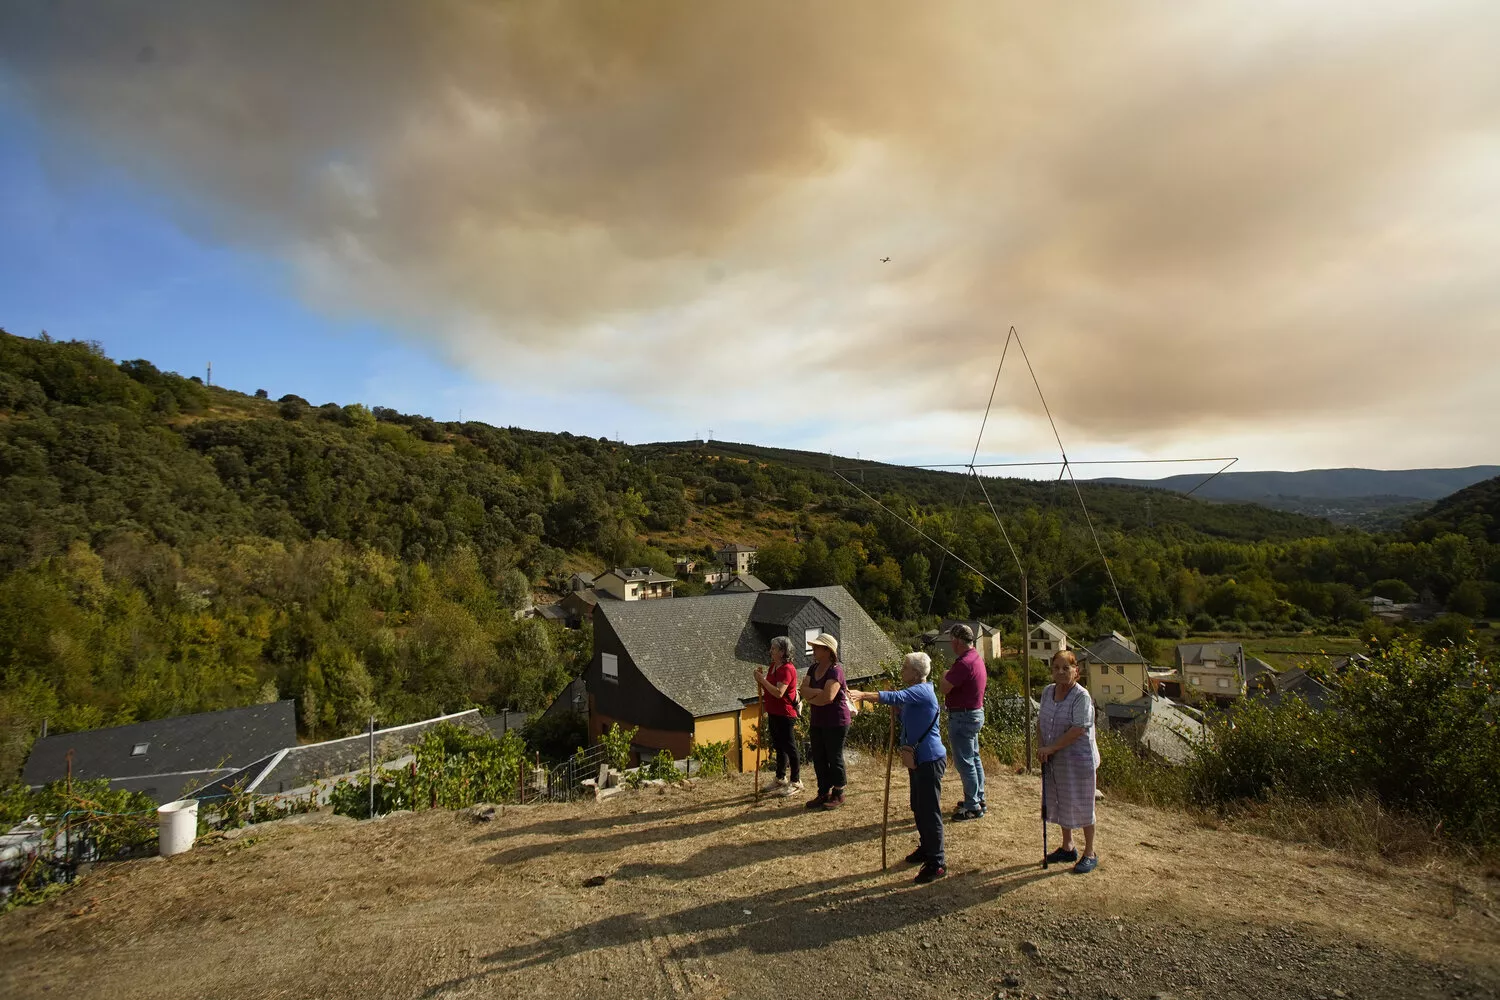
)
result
[(572, 827), (647, 830), (860, 905)]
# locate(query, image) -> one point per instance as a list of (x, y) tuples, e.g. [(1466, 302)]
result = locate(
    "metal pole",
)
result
[(1026, 662), (372, 767), (1045, 769)]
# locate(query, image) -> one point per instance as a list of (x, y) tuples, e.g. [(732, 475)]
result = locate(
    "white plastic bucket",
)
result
[(178, 826)]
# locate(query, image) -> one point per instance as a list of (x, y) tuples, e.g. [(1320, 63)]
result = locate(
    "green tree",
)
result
[(1467, 599)]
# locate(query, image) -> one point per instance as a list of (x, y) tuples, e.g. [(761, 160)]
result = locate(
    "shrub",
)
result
[(661, 768), (1136, 777), (452, 768), (1422, 724), (1286, 749), (616, 743), (1448, 630), (711, 758), (1394, 590)]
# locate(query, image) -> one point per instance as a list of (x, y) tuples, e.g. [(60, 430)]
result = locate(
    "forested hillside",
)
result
[(1474, 512), (168, 547)]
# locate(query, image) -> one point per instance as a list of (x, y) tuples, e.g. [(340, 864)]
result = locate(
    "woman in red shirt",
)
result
[(778, 709)]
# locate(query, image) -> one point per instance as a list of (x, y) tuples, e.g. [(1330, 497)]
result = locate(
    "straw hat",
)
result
[(824, 639)]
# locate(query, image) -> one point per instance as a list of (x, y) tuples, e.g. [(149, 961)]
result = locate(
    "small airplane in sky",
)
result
[(885, 260)]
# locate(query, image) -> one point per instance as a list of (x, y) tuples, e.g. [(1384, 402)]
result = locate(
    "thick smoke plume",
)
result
[(1228, 218)]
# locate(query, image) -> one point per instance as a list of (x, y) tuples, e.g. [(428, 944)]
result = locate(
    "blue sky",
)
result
[(93, 256)]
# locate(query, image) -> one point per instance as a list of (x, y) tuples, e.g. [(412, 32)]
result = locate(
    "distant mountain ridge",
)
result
[(1398, 485)]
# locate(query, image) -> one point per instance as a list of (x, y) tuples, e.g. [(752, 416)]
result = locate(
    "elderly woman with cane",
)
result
[(925, 759), (1070, 761)]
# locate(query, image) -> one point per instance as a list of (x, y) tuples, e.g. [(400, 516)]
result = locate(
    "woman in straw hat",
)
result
[(829, 716)]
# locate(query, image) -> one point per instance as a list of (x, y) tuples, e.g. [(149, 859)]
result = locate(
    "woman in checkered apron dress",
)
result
[(1070, 759)]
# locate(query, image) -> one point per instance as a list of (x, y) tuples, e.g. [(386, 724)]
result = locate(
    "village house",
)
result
[(638, 583), (165, 757), (682, 671), (741, 583), (738, 558), (580, 581), (1114, 672), (572, 611), (1211, 670), (1045, 641), (935, 642)]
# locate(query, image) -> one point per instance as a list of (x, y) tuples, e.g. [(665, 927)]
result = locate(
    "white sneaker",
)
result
[(792, 788), (776, 783)]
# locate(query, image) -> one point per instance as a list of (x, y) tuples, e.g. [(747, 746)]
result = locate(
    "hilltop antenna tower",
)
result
[(210, 374)]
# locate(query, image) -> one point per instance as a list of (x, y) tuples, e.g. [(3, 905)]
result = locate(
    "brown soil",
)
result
[(699, 891)]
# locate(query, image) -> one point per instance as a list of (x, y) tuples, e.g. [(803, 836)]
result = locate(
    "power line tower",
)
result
[(210, 380)]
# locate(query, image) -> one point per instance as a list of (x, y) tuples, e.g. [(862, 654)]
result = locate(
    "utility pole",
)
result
[(372, 767), (1026, 662)]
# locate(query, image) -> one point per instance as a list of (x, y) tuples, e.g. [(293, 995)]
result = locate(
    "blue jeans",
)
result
[(963, 733)]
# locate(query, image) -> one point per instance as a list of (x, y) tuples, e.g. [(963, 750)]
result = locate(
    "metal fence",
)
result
[(44, 850)]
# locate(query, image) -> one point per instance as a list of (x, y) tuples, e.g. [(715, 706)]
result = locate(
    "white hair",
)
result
[(920, 662)]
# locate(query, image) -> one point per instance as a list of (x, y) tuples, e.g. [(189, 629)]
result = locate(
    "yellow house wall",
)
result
[(1208, 681), (1105, 688), (719, 729), (749, 719)]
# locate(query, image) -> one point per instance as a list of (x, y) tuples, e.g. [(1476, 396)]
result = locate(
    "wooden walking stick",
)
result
[(890, 759), (760, 732)]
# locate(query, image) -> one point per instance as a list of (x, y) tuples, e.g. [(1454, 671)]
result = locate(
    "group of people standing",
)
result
[(1068, 750)]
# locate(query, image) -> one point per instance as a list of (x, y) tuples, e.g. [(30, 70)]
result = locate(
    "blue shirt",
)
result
[(919, 716)]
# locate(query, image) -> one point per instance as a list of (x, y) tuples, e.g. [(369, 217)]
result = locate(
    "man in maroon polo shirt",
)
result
[(963, 695)]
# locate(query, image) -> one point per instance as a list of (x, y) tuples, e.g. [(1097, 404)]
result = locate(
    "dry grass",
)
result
[(700, 891)]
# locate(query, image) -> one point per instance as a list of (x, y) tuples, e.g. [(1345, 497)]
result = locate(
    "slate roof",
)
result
[(638, 574), (1159, 725), (1255, 669), (777, 608), (1048, 629), (1112, 651), (737, 547), (1191, 654), (1297, 682), (742, 583), (295, 767), (979, 628), (700, 651), (205, 744)]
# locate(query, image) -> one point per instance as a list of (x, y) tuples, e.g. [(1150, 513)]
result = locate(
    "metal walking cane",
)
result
[(1046, 767)]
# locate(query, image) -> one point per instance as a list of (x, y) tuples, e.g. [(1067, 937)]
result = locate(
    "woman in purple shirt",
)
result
[(829, 716)]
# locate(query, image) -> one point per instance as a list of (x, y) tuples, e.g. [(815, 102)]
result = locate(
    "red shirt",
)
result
[(772, 705)]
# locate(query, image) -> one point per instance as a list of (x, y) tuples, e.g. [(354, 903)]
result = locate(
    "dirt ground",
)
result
[(702, 892)]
